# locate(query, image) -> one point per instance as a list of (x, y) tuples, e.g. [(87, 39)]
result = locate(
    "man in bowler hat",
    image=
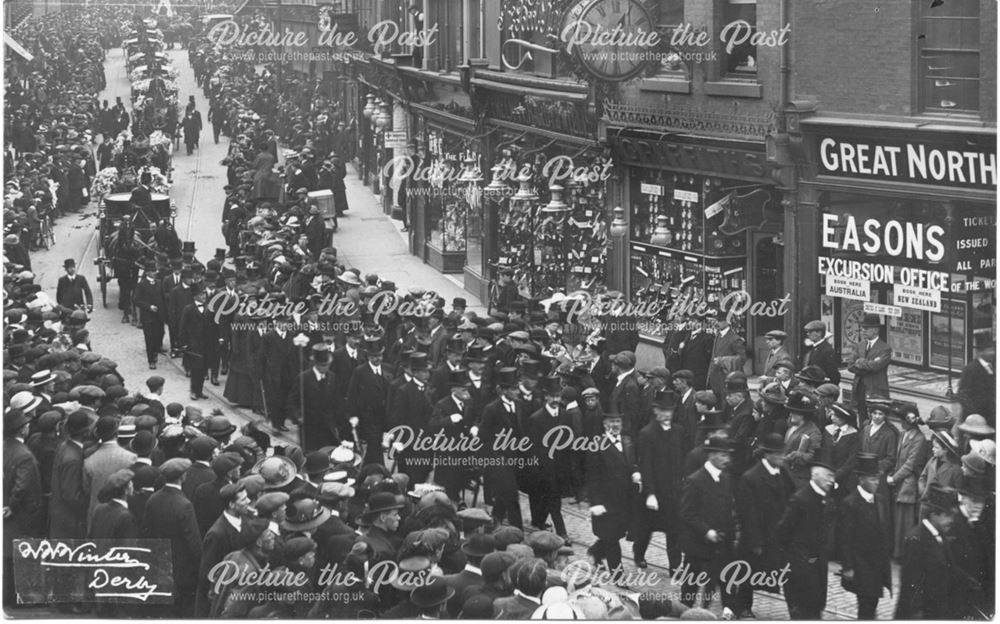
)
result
[(73, 291)]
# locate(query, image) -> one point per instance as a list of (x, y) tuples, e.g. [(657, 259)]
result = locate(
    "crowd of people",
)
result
[(784, 476)]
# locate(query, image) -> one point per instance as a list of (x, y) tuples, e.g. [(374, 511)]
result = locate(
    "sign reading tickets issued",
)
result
[(129, 571)]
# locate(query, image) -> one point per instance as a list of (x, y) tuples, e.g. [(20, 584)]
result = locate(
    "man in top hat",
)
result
[(977, 385), (613, 485), (708, 527), (454, 353), (863, 539), (502, 415), (366, 400), (928, 587), (149, 301), (167, 285), (73, 291), (180, 297), (662, 446), (453, 416), (383, 512), (869, 361), (803, 531), (108, 458), (803, 439), (760, 500), (551, 478), (314, 402), (776, 350), (199, 340), (279, 363), (411, 408), (819, 351), (170, 515)]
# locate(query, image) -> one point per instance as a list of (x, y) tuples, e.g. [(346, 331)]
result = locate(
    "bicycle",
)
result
[(45, 237)]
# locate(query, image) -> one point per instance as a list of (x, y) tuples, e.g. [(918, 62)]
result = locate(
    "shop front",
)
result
[(907, 230), (704, 232)]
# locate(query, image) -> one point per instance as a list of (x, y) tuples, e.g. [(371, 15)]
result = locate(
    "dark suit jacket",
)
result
[(436, 354), (803, 527), (844, 456), (927, 579), (977, 392), (742, 431), (384, 545), (626, 399), (731, 352), (826, 357), (460, 582), (75, 291), (609, 483), (863, 544), (220, 540), (696, 356), (342, 366), (760, 502), (707, 505), (145, 296), (884, 444), (366, 397), (112, 521), (688, 417), (69, 501), (661, 463), (334, 539), (170, 515), (870, 368), (22, 491), (317, 409), (502, 478), (515, 607), (195, 476), (208, 505), (178, 299)]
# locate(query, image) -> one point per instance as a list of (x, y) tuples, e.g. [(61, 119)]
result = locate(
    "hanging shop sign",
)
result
[(917, 298), (965, 161), (882, 309), (848, 287)]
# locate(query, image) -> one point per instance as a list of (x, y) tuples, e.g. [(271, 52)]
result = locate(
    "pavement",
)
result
[(367, 239)]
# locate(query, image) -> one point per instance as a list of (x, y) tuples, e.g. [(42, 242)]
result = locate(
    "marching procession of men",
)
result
[(423, 425)]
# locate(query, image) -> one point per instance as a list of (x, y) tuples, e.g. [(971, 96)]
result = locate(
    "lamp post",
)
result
[(557, 210), (522, 202), (662, 236), (302, 342)]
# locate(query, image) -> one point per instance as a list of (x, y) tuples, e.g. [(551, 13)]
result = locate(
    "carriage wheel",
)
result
[(102, 269)]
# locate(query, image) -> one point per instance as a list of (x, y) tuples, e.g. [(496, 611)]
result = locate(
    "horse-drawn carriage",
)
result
[(128, 230)]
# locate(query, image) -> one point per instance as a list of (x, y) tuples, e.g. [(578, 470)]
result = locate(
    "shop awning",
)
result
[(523, 90), (17, 47)]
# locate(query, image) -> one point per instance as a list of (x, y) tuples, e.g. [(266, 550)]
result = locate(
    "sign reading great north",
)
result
[(122, 571), (964, 161)]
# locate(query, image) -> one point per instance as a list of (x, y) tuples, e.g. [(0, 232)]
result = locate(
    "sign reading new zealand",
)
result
[(123, 571)]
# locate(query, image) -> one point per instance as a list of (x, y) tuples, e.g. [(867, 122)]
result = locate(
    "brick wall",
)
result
[(853, 56)]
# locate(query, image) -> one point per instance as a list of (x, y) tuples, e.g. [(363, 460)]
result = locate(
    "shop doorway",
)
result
[(766, 283)]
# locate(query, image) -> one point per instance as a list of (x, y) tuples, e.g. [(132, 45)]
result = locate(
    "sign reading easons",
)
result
[(909, 162)]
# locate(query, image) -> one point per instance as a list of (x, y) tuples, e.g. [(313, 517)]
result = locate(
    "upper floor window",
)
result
[(737, 26), (948, 61)]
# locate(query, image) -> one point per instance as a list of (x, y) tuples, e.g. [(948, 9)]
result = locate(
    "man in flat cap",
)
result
[(112, 518), (819, 351), (170, 515), (776, 350)]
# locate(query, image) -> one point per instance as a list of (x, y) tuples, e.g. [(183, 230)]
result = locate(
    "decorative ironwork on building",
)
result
[(574, 119), (750, 126)]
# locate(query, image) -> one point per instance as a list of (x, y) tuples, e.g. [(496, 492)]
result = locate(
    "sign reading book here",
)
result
[(132, 571)]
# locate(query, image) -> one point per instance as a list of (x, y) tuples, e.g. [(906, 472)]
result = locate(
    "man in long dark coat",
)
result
[(316, 408), (443, 418), (613, 482), (803, 531), (279, 364), (545, 495), (152, 310), (760, 501), (819, 352), (927, 580), (222, 538), (501, 415), (366, 398), (709, 526), (199, 342), (863, 539), (192, 128), (411, 407), (662, 446)]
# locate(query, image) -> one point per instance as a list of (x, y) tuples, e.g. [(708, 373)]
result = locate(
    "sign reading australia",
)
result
[(969, 162)]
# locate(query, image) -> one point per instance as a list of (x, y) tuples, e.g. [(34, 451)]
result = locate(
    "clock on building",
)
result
[(611, 39)]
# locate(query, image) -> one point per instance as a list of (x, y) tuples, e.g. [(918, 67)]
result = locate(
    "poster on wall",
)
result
[(906, 337), (947, 335)]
